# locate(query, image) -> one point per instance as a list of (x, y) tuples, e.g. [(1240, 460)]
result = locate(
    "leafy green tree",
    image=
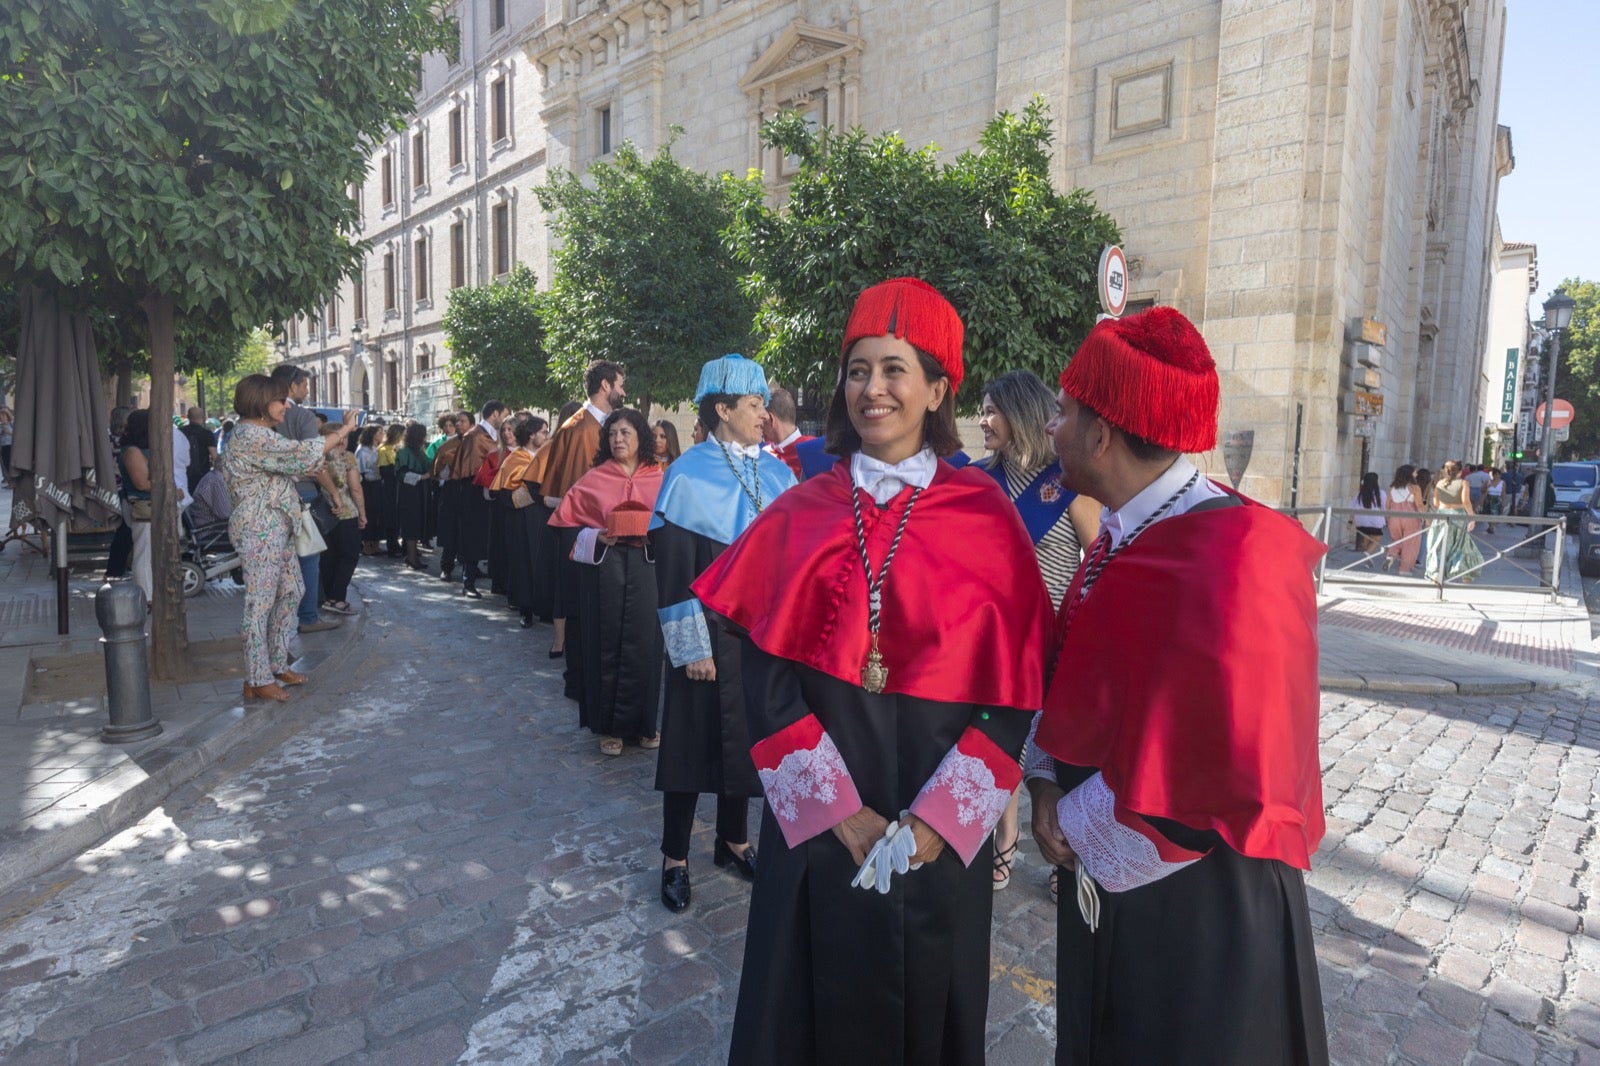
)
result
[(642, 275), (1578, 379), (1015, 257), (496, 340), (192, 159)]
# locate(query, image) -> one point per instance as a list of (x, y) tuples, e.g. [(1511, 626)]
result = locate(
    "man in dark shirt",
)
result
[(202, 447), (300, 423)]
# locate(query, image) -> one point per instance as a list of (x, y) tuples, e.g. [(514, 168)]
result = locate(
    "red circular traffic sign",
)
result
[(1561, 415), (1113, 281)]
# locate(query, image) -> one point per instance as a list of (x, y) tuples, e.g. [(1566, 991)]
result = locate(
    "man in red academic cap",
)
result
[(1174, 768)]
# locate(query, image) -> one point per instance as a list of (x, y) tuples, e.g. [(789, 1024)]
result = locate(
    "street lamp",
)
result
[(1557, 313)]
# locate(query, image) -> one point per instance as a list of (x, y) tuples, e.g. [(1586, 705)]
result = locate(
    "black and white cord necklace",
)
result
[(874, 675), (1098, 561), (754, 494)]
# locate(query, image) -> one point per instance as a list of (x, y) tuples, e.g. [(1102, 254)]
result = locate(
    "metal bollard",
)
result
[(119, 607)]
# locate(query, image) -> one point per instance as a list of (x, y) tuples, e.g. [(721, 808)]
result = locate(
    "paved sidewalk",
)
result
[(62, 790), (1384, 633)]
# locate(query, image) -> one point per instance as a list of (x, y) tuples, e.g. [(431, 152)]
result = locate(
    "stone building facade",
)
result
[(1508, 366), (1279, 168)]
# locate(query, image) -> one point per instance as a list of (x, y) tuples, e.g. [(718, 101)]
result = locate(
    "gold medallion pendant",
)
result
[(874, 675)]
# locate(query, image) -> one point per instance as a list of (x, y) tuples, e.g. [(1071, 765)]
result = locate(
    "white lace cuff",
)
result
[(1120, 850), (968, 793), (685, 633), (807, 784), (1035, 762)]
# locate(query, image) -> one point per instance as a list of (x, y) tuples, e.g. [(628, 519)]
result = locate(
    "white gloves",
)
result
[(889, 856)]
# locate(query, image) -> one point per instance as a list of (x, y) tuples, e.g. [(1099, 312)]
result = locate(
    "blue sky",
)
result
[(1550, 84)]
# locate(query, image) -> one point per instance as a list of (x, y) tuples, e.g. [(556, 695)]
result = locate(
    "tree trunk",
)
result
[(644, 405), (122, 367), (169, 628)]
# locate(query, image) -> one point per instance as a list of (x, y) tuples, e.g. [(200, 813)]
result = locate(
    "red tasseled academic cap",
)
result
[(1150, 375), (914, 311)]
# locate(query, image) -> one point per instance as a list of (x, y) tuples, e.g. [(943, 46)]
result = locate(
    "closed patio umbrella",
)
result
[(61, 456)]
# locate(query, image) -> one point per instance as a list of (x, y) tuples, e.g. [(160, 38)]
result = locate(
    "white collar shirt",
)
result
[(595, 412), (884, 480), (1117, 524)]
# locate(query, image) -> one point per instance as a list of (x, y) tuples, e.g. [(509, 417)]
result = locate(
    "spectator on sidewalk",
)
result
[(1451, 551), (667, 447), (349, 507), (1477, 480), (1405, 528), (121, 549), (133, 479), (211, 504), (366, 459), (262, 468), (8, 430), (299, 423), (1493, 499), (1368, 502), (202, 447)]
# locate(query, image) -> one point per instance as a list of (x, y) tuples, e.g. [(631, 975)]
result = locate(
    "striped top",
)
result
[(1058, 550)]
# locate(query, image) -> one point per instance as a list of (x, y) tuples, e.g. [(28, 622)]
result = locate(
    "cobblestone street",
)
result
[(427, 864)]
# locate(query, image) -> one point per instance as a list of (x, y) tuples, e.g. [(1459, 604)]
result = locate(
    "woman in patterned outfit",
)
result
[(260, 468), (1016, 407)]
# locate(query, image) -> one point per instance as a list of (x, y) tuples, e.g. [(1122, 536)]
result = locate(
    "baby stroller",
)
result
[(207, 553)]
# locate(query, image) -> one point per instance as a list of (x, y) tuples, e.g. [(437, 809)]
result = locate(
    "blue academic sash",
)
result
[(1042, 503)]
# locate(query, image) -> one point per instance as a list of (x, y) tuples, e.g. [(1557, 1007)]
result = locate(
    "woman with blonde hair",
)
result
[(1022, 461)]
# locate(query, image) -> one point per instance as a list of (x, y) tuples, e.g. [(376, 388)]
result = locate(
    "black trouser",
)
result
[(120, 552), (339, 561), (677, 821)]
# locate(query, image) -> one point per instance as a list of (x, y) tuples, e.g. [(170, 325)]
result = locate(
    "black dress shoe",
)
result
[(675, 887), (559, 654), (469, 589), (527, 621), (723, 855), (444, 575)]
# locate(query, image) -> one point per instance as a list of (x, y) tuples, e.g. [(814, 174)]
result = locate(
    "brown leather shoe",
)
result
[(289, 677), (265, 692)]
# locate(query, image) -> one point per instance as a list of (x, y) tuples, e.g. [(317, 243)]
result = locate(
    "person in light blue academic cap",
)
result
[(708, 497)]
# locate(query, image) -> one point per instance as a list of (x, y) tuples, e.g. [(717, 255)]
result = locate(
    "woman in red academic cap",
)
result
[(889, 681)]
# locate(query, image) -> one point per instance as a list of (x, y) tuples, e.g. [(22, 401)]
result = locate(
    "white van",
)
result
[(1574, 484)]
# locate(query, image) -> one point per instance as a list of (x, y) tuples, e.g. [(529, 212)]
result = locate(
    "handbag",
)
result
[(322, 514), (141, 510), (307, 537)]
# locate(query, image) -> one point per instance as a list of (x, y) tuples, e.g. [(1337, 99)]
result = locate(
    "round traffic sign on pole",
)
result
[(1113, 281), (1560, 417)]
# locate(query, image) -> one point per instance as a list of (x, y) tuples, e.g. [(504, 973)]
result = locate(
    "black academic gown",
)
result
[(570, 606), (1211, 966), (527, 586), (705, 742), (499, 519), (619, 646), (837, 975)]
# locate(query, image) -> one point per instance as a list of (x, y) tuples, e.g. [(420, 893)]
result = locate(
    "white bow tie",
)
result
[(741, 451), (883, 480)]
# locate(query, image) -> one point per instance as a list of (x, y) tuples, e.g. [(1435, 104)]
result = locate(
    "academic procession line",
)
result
[(839, 648)]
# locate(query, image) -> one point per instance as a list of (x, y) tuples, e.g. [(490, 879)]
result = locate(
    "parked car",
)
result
[(1574, 484), (1589, 537)]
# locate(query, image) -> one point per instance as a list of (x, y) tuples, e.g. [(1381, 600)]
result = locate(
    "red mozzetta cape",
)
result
[(597, 493), (1188, 677), (965, 618)]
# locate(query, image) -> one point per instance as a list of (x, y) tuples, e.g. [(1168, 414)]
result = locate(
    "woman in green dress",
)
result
[(1451, 552)]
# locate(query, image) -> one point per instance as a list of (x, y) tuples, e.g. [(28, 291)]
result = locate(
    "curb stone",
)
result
[(134, 791)]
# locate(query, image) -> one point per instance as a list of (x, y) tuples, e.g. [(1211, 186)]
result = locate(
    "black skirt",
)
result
[(617, 644)]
